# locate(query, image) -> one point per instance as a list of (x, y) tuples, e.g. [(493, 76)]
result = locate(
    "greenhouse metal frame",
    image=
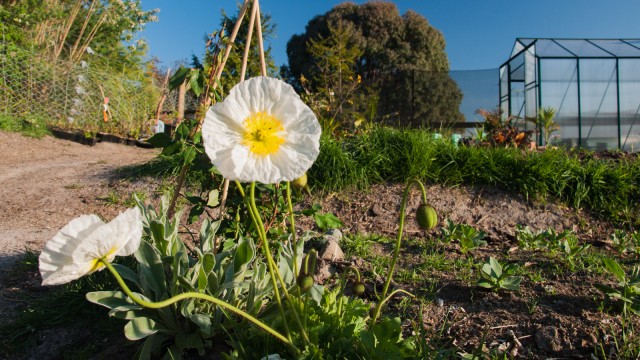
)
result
[(592, 84)]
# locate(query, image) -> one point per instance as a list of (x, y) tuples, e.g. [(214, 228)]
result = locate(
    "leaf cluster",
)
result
[(498, 276)]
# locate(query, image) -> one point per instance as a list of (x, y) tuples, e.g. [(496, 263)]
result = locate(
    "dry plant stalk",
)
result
[(212, 84)]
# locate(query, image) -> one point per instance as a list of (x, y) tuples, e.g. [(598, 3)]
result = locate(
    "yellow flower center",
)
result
[(96, 264), (262, 133)]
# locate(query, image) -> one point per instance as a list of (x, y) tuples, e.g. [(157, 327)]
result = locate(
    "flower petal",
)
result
[(226, 134), (56, 263)]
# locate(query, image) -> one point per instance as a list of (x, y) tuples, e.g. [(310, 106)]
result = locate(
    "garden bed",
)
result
[(91, 139), (557, 311)]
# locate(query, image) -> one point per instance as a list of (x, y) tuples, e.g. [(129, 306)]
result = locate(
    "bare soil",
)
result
[(47, 182)]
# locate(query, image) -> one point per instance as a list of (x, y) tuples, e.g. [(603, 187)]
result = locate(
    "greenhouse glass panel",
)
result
[(618, 47), (629, 104), (592, 84), (559, 90), (599, 104), (548, 48), (582, 48)]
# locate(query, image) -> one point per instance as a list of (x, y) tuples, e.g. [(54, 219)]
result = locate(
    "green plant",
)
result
[(497, 276), (468, 237), (628, 287), (625, 242), (545, 122), (233, 275), (324, 221)]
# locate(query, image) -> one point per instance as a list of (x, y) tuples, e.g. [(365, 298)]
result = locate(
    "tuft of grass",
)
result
[(607, 188), (31, 126)]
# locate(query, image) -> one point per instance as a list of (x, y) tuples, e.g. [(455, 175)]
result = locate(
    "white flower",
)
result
[(261, 132), (76, 250)]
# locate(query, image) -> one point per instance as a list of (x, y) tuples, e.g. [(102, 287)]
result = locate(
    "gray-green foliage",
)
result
[(497, 276), (167, 268)]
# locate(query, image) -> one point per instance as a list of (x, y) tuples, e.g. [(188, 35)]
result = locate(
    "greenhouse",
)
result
[(592, 84)]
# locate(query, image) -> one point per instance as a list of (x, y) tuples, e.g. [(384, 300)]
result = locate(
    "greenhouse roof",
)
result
[(579, 48)]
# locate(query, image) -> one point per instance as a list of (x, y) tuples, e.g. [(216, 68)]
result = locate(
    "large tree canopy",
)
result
[(403, 58)]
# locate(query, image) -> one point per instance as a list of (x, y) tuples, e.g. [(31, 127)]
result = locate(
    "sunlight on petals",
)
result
[(261, 132), (76, 249)]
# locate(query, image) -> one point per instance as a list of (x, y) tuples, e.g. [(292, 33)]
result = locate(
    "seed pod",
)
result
[(427, 217), (300, 182), (358, 288), (305, 282)]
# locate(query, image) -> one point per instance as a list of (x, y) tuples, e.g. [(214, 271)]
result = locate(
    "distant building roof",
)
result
[(579, 48)]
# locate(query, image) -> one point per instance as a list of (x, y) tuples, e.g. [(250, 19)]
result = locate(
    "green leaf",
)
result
[(173, 148), (615, 268), (213, 198), (316, 293), (486, 284), (327, 221), (109, 299), (196, 82), (203, 322), (512, 283), (139, 328), (160, 140), (178, 78), (190, 341), (153, 343), (245, 253), (189, 154), (496, 268), (208, 262), (127, 274)]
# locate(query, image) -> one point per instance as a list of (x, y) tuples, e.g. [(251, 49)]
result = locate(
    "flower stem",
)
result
[(193, 295), (292, 222), (273, 269), (255, 216), (396, 252)]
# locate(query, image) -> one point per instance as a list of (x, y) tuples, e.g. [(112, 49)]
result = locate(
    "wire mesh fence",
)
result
[(74, 95)]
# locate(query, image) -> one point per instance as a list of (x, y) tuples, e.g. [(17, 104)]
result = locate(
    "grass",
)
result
[(577, 178), (29, 126), (61, 308)]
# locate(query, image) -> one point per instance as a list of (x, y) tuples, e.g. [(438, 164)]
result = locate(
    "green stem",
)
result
[(293, 231), (193, 295), (271, 263), (396, 252), (257, 221)]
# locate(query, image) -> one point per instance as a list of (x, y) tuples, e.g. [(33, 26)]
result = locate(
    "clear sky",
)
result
[(479, 33)]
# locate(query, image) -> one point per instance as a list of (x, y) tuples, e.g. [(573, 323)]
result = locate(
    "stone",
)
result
[(336, 233), (332, 252), (548, 339)]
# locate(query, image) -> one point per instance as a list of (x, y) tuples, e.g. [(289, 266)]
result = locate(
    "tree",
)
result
[(403, 61)]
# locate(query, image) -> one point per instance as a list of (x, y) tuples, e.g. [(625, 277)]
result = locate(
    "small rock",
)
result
[(336, 233), (439, 302), (548, 339), (377, 210), (330, 238), (332, 252)]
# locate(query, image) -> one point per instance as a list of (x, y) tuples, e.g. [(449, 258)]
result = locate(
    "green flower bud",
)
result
[(300, 182), (305, 282), (427, 217), (358, 288)]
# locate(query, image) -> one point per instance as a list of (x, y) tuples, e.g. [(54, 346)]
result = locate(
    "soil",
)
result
[(47, 182)]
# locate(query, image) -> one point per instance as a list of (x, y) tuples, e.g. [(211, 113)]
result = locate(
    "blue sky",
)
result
[(479, 33)]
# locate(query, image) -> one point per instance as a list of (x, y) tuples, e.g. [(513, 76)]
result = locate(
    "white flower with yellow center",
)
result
[(78, 248), (261, 132)]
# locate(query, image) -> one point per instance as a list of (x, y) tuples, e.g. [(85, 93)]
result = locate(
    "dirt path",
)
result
[(44, 183)]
